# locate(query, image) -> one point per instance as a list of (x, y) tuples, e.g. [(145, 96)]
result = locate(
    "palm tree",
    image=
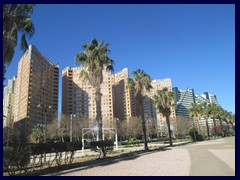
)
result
[(232, 120), (221, 116), (164, 103), (195, 112), (38, 133), (214, 115), (218, 113), (229, 118), (94, 59), (206, 111), (141, 83), (16, 19)]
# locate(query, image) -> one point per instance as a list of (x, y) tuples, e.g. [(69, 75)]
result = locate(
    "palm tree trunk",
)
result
[(207, 127), (99, 111), (221, 126), (169, 131), (215, 127), (98, 97), (143, 125)]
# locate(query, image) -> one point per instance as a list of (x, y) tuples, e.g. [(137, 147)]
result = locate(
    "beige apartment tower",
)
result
[(124, 103), (36, 91), (150, 108), (117, 101), (78, 97)]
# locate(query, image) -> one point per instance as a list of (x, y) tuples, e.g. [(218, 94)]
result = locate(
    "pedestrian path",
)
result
[(208, 158)]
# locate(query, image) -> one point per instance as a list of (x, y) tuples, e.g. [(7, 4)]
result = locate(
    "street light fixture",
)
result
[(115, 127), (8, 122), (71, 132)]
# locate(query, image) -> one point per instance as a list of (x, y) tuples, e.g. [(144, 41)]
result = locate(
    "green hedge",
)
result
[(54, 147), (101, 144)]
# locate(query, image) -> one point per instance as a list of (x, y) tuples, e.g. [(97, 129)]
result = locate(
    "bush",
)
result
[(191, 133), (231, 132), (101, 143), (131, 141), (16, 157), (200, 137), (54, 147), (103, 147)]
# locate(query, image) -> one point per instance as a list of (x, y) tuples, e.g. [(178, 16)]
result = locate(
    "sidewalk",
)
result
[(100, 162)]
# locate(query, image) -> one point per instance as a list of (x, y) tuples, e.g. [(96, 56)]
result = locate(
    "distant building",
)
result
[(183, 100), (8, 103), (206, 97), (36, 91)]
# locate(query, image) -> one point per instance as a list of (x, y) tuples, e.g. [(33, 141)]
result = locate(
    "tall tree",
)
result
[(206, 111), (195, 112), (214, 115), (164, 103), (64, 128), (94, 59), (38, 133), (220, 115), (16, 19), (141, 83), (133, 127), (229, 118)]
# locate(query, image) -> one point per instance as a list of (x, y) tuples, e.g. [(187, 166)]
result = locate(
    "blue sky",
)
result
[(194, 45)]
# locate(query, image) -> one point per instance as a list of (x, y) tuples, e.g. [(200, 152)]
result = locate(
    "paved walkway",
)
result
[(213, 158), (208, 158)]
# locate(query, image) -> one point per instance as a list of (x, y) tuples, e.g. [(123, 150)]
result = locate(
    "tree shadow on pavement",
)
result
[(64, 169)]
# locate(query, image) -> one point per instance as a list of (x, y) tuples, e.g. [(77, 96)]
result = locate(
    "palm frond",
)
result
[(84, 75), (130, 83), (24, 44)]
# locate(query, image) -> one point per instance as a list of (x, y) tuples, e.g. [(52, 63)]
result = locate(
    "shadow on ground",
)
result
[(64, 169)]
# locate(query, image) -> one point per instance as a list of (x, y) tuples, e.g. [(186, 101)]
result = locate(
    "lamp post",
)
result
[(8, 123), (116, 137), (72, 115), (45, 118)]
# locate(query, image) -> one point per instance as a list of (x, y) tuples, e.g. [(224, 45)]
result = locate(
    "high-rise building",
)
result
[(206, 97), (150, 109), (8, 103), (213, 99), (124, 102), (78, 96), (117, 100), (36, 91), (183, 100)]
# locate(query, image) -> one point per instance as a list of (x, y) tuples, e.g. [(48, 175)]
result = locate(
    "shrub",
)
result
[(200, 137), (231, 132), (103, 147), (16, 157), (101, 143), (191, 133)]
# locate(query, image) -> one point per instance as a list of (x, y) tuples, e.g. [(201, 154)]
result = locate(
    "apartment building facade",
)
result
[(124, 102), (8, 103), (78, 97), (183, 100), (152, 112), (36, 91)]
